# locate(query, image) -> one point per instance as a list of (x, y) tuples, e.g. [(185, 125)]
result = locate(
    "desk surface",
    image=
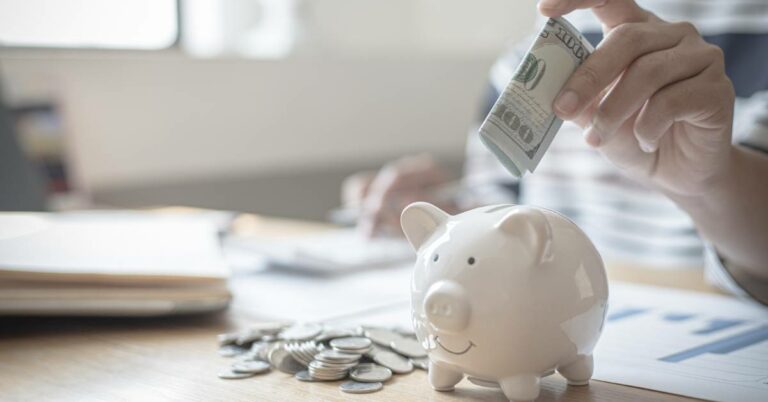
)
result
[(176, 358)]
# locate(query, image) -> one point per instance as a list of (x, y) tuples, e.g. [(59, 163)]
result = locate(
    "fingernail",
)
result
[(592, 137), (567, 102), (550, 3)]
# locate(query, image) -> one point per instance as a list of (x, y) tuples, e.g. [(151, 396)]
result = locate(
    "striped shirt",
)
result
[(625, 219)]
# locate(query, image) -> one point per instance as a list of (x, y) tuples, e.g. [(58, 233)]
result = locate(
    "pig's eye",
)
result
[(436, 257), (471, 261)]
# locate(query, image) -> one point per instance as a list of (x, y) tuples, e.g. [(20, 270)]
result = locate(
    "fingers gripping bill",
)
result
[(521, 124)]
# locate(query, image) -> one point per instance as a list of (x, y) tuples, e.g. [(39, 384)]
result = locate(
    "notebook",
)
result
[(110, 263)]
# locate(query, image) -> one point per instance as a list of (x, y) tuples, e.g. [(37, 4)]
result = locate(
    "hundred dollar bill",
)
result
[(521, 124)]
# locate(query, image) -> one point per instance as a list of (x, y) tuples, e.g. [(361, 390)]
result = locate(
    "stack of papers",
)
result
[(107, 263)]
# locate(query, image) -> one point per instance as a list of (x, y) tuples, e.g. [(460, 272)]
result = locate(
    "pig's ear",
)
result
[(419, 220), (532, 228)]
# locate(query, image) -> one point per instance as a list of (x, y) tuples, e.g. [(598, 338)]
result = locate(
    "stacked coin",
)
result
[(316, 352), (332, 365), (280, 358), (352, 344), (259, 351), (303, 352)]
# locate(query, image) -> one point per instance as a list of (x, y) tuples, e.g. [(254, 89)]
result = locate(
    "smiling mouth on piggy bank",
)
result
[(454, 352)]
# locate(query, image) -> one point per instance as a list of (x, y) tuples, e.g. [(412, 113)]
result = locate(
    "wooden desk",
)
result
[(176, 359)]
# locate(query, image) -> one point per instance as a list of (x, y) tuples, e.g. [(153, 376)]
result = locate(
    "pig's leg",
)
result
[(579, 371), (524, 387), (443, 378)]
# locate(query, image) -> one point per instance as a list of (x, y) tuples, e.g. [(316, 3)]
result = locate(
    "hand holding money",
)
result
[(522, 124), (653, 98)]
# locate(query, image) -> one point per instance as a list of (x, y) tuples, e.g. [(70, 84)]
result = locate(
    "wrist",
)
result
[(711, 191)]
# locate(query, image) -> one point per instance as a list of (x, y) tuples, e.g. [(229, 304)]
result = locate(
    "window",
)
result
[(106, 24)]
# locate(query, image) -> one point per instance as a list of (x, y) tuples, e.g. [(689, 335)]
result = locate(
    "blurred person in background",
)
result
[(662, 156)]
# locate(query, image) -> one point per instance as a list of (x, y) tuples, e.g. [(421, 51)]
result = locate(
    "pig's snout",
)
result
[(446, 306)]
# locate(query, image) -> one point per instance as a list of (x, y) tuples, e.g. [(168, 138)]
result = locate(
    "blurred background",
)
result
[(260, 106)]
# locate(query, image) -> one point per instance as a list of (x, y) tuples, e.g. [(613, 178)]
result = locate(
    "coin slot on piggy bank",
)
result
[(504, 295)]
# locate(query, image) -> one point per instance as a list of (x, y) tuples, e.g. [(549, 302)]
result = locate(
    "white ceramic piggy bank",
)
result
[(506, 295)]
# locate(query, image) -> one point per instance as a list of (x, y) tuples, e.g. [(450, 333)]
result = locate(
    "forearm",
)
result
[(733, 213)]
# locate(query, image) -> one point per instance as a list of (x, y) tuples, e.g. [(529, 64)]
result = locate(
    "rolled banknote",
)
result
[(521, 124)]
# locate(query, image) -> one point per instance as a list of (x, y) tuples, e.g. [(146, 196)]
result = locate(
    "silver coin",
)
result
[(313, 351), (382, 336), (301, 332), (228, 338), (420, 362), (290, 366), (271, 348), (408, 347), (303, 353), (373, 350), (337, 356), (260, 349), (369, 372), (406, 332), (327, 375), (324, 374), (231, 350), (393, 361), (333, 333), (248, 356), (255, 367), (230, 374), (334, 367), (283, 361), (269, 338), (351, 343), (318, 378), (270, 328), (303, 375), (248, 337), (354, 387)]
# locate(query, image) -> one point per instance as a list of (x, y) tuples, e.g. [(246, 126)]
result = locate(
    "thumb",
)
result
[(610, 12)]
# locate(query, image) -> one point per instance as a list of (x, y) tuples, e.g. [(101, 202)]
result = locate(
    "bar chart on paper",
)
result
[(693, 344)]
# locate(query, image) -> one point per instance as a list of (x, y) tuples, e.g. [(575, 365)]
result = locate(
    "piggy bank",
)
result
[(506, 295)]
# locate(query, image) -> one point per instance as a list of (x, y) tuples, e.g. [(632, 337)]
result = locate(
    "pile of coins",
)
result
[(315, 352)]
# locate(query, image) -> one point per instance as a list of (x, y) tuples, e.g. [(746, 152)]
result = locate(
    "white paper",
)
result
[(692, 344), (119, 244), (276, 294)]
